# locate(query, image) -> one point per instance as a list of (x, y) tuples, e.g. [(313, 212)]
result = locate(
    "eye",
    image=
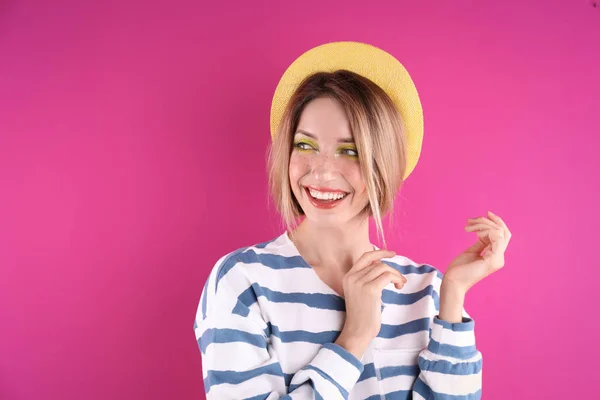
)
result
[(303, 146), (350, 152)]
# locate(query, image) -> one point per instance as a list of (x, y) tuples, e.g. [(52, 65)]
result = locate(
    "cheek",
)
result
[(298, 168), (353, 174)]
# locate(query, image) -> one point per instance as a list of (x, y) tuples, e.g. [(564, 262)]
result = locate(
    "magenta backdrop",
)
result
[(132, 156)]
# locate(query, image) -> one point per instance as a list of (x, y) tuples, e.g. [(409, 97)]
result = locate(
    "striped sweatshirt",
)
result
[(266, 326)]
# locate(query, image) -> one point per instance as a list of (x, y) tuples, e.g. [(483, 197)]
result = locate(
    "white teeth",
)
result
[(326, 196)]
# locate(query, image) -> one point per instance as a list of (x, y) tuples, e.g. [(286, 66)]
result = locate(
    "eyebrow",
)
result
[(310, 135)]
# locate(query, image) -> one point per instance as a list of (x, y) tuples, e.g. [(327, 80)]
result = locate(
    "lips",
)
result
[(325, 204)]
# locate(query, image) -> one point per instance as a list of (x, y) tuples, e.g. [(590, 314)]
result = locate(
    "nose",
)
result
[(323, 167)]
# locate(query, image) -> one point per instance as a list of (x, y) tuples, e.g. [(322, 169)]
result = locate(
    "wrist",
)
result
[(452, 288), (354, 345), (454, 284), (452, 299)]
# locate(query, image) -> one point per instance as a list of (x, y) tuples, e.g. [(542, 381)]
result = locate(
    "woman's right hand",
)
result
[(363, 286)]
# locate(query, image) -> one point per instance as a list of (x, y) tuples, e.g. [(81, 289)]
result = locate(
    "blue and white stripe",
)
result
[(266, 326)]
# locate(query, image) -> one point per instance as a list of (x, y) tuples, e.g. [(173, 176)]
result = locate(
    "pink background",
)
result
[(132, 156)]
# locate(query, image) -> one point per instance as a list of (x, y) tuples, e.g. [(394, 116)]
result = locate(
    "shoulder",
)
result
[(257, 253), (228, 284), (230, 273)]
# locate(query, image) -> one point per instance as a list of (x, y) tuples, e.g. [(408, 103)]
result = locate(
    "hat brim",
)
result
[(366, 60)]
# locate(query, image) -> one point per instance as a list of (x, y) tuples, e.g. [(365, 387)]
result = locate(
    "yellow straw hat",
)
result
[(372, 63)]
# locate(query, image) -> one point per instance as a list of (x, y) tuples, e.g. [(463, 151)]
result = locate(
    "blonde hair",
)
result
[(378, 133)]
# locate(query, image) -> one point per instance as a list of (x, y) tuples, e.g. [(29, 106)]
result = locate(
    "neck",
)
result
[(332, 247)]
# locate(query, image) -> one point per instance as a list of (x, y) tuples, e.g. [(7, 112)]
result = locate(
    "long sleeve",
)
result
[(450, 365), (239, 361)]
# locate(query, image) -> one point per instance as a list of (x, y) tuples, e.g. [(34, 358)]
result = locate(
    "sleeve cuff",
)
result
[(467, 324), (341, 365), (455, 340)]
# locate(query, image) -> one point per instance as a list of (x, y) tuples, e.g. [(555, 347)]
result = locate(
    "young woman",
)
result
[(319, 312)]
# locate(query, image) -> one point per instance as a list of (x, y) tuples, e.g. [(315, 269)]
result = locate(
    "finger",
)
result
[(478, 227), (494, 237), (379, 269), (497, 219), (500, 222), (477, 247), (481, 221), (384, 279), (482, 230), (486, 250), (368, 257), (490, 235), (361, 279), (358, 275), (498, 241)]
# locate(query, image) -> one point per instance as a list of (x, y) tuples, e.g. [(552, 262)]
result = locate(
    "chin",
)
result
[(329, 221)]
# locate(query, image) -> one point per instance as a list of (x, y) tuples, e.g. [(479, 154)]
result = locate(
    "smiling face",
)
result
[(324, 156), (324, 170)]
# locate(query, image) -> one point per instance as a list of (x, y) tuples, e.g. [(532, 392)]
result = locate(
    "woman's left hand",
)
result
[(484, 257)]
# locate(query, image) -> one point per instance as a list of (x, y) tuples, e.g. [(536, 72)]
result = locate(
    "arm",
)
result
[(451, 364), (238, 361)]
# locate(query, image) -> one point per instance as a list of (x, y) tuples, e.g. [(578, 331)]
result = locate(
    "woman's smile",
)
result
[(324, 198)]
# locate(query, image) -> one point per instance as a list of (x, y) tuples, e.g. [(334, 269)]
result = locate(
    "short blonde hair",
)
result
[(378, 132)]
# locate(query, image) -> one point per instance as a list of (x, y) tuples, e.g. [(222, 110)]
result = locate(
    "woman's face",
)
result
[(325, 174)]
